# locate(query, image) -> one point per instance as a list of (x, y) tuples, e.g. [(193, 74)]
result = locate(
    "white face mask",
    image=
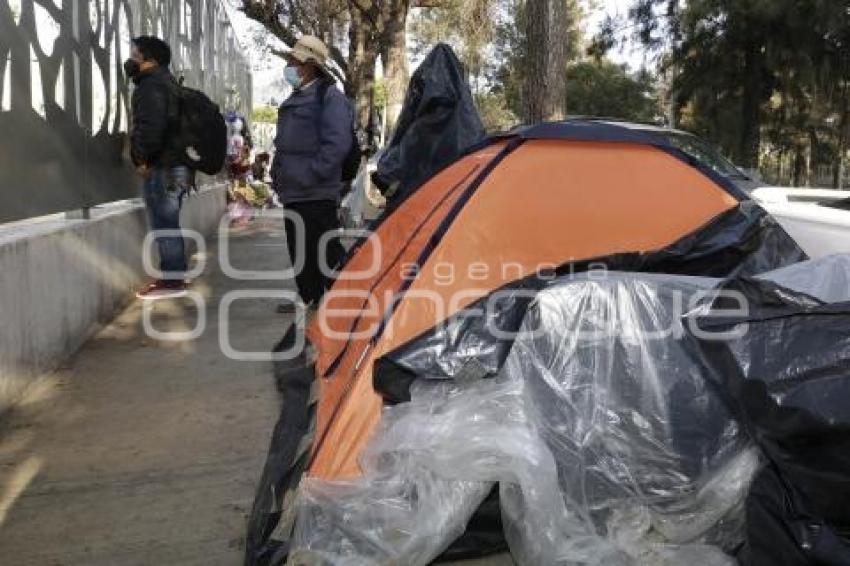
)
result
[(292, 77)]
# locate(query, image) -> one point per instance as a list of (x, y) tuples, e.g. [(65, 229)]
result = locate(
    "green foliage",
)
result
[(510, 51), (380, 93), (264, 115), (602, 88), (494, 112), (762, 78), (467, 25)]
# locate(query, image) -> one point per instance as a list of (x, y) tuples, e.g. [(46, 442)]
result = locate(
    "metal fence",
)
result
[(64, 103)]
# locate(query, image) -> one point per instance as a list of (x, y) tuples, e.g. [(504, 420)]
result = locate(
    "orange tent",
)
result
[(505, 211), (531, 201)]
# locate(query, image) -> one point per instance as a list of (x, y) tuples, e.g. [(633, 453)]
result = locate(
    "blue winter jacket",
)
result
[(310, 149)]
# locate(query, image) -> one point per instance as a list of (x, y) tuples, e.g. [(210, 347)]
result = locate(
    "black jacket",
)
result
[(154, 136)]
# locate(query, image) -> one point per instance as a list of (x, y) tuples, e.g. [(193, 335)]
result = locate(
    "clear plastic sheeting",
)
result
[(826, 279), (411, 502), (648, 457), (607, 445), (408, 520)]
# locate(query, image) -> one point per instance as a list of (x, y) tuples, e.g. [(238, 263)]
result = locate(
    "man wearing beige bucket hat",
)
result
[(314, 136)]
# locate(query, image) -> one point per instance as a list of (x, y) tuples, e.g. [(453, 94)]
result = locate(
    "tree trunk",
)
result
[(546, 40), (535, 85), (810, 154), (668, 99), (394, 58), (748, 151), (799, 164), (559, 54), (841, 143), (362, 55)]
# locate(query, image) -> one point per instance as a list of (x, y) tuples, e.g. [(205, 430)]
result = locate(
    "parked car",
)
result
[(818, 219)]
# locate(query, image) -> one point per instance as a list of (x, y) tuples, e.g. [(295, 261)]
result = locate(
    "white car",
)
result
[(817, 219)]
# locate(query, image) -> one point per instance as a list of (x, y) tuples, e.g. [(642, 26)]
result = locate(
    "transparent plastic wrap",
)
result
[(425, 473), (648, 456), (431, 464), (607, 446), (826, 279), (406, 519)]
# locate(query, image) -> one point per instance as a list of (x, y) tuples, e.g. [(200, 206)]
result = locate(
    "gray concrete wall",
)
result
[(61, 280)]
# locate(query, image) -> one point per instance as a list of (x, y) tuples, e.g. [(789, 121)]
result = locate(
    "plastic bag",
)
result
[(409, 505)]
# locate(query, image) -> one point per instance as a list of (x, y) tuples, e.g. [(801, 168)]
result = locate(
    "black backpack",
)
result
[(351, 163), (203, 131)]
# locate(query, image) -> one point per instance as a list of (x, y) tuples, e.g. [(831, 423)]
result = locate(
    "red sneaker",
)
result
[(163, 290)]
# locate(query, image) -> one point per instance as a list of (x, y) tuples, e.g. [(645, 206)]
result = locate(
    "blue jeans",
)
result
[(164, 189)]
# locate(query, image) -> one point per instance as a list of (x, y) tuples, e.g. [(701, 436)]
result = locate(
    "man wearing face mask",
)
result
[(314, 136), (157, 153)]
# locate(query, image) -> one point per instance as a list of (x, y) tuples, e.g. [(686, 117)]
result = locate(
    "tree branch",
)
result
[(296, 19), (268, 12), (368, 9)]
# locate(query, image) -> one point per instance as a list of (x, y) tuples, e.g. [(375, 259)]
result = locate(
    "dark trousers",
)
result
[(163, 190), (318, 216)]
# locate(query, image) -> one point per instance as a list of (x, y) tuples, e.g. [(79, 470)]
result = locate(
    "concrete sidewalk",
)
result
[(142, 452), (147, 452)]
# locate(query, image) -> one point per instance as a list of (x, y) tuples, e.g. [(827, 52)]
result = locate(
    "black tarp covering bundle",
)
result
[(787, 378), (605, 443), (437, 124)]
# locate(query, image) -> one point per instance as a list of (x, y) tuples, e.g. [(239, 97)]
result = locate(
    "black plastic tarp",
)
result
[(744, 241), (437, 124), (787, 378), (605, 442)]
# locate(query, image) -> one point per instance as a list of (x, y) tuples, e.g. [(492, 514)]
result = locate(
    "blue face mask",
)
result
[(292, 77)]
